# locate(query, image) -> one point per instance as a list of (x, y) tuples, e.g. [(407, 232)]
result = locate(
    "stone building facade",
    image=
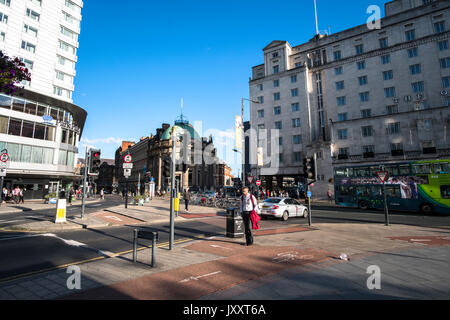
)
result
[(359, 96)]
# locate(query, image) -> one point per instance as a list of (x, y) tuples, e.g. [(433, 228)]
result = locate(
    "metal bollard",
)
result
[(153, 249), (135, 245)]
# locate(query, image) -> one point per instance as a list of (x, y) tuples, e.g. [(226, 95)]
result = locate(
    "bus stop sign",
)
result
[(382, 175)]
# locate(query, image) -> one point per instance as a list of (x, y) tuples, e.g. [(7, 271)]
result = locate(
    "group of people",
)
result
[(17, 195)]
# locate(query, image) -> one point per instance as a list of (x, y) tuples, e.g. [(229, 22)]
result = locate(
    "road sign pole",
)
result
[(309, 204), (126, 193), (83, 197), (1, 190), (386, 209), (172, 189)]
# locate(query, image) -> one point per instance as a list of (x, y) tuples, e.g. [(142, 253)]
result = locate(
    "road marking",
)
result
[(114, 218), (199, 277), (217, 246), (420, 240)]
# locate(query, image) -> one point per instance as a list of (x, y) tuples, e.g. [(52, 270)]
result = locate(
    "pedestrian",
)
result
[(329, 195), (71, 193), (248, 205), (21, 195), (187, 198), (15, 194), (102, 193), (4, 194)]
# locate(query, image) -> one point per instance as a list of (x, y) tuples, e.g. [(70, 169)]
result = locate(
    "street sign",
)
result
[(4, 157), (258, 183), (128, 158), (250, 179), (128, 166), (2, 172), (383, 175), (127, 172), (308, 194)]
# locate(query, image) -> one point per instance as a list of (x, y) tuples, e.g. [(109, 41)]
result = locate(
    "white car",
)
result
[(283, 208)]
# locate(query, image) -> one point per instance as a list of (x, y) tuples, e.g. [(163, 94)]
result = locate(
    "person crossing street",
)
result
[(248, 205)]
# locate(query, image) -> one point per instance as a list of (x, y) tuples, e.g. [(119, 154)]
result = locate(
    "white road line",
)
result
[(114, 218), (217, 246), (199, 277)]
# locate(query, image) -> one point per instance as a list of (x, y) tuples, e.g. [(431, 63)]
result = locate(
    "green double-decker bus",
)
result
[(417, 186)]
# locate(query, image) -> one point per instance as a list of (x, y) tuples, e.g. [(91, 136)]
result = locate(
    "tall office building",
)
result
[(363, 95), (39, 125)]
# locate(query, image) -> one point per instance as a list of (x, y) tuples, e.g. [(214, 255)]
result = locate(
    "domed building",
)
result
[(197, 166)]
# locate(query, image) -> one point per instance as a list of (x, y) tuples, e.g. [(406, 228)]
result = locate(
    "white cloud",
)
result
[(110, 140)]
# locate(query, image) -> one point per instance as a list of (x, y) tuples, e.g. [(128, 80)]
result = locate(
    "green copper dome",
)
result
[(181, 127)]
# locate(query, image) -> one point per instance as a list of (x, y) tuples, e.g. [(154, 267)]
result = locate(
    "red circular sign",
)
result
[(128, 158), (258, 183), (4, 157)]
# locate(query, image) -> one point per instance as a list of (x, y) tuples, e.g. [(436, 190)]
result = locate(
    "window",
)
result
[(280, 141), (68, 33), (297, 139), (298, 64), (361, 65), (396, 146), (366, 113), (337, 55), (415, 69), (6, 2), (443, 45), (62, 93), (276, 96), (389, 92), (294, 79), (278, 125), (261, 87), (280, 158), (275, 54), (296, 123), (343, 151), (439, 27), (362, 80), (277, 111), (295, 107), (364, 96), (427, 124), (37, 2), (414, 52), (261, 127), (67, 47), (294, 92), (394, 128), (386, 59), (410, 35), (260, 113), (60, 75), (261, 100), (445, 192), (342, 134), (66, 62), (2, 36), (383, 43), (3, 18), (28, 46), (340, 85), (276, 83), (446, 82), (393, 109), (417, 87), (342, 116), (3, 125), (15, 127), (30, 30), (388, 75), (445, 63), (359, 49), (368, 149), (70, 5), (276, 69), (338, 71), (62, 158), (297, 156), (367, 131), (27, 129), (341, 101), (33, 15)]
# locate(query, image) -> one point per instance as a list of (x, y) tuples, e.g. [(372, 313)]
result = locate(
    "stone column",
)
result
[(159, 172)]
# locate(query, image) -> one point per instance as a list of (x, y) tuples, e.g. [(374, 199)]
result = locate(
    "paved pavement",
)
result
[(298, 265)]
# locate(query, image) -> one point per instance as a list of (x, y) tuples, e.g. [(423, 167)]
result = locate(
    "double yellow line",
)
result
[(64, 266)]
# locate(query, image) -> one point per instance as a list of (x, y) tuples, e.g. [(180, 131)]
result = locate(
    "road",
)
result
[(30, 253)]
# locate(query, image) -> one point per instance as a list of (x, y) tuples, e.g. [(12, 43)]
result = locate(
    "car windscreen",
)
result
[(272, 200)]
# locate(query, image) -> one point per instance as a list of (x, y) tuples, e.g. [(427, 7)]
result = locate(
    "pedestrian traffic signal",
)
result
[(166, 167), (94, 162), (309, 168)]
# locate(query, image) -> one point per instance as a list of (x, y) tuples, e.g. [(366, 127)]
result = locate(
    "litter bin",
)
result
[(235, 224)]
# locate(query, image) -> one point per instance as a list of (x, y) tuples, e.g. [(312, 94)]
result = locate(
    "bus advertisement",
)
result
[(417, 186)]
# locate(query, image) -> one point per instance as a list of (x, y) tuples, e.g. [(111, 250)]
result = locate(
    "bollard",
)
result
[(153, 249), (154, 236), (135, 245)]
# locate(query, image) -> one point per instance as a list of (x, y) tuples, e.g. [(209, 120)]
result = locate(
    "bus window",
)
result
[(362, 172), (445, 192), (421, 168), (351, 173), (373, 171), (393, 191), (346, 191), (340, 172), (404, 170), (393, 170), (376, 191), (443, 167), (362, 191)]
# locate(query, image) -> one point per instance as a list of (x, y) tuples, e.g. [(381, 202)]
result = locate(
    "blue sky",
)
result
[(136, 61)]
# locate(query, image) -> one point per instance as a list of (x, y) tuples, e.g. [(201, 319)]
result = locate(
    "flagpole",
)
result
[(317, 23)]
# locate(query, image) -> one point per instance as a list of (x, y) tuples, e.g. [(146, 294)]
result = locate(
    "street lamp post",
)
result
[(243, 135)]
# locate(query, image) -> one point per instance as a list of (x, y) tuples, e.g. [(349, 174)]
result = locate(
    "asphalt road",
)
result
[(23, 253)]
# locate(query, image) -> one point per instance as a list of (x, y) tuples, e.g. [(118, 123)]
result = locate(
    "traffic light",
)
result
[(166, 167), (94, 161), (309, 168)]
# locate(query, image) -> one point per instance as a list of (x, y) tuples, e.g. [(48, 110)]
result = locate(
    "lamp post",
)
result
[(243, 135)]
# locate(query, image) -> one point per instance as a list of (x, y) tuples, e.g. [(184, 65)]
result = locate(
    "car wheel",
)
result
[(285, 216), (363, 205), (426, 208), (305, 213)]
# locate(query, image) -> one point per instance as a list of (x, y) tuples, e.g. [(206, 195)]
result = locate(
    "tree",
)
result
[(12, 72)]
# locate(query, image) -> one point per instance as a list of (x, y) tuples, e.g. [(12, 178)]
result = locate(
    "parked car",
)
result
[(283, 208)]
